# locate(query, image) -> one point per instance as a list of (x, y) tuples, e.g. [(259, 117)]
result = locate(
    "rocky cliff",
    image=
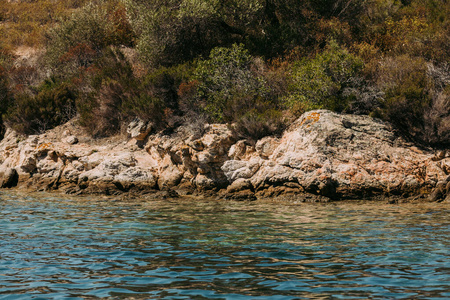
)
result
[(321, 156)]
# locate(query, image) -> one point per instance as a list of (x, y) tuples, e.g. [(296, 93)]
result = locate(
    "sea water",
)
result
[(52, 247)]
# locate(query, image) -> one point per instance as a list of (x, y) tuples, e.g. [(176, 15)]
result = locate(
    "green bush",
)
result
[(437, 120), (5, 56), (228, 76), (322, 82), (54, 104), (231, 87), (111, 95), (175, 31), (416, 98)]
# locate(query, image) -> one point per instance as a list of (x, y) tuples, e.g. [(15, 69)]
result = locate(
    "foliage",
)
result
[(110, 94), (79, 40), (230, 87), (175, 31), (322, 82), (260, 121), (228, 76), (253, 64), (157, 98), (103, 88), (25, 22), (5, 96), (6, 56), (437, 121), (416, 98), (52, 105)]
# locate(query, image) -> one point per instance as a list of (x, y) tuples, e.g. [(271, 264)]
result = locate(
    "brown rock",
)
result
[(9, 179)]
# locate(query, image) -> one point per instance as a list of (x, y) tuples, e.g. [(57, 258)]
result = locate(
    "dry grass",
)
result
[(24, 23)]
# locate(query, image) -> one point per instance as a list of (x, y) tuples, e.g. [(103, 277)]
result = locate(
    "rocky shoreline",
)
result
[(322, 156)]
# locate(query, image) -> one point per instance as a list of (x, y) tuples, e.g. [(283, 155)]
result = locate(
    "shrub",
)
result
[(324, 81), (226, 77), (257, 122), (439, 48), (123, 33), (416, 98), (5, 97), (231, 87), (26, 21), (437, 121), (6, 56), (80, 39), (103, 89), (175, 31), (111, 95), (54, 104), (167, 37), (155, 98)]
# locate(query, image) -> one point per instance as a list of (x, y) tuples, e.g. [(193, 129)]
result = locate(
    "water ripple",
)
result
[(54, 247)]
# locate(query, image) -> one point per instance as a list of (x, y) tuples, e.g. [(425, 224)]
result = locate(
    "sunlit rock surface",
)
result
[(321, 156)]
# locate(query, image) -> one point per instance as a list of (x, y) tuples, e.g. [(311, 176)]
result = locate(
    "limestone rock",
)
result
[(240, 185), (71, 140), (136, 176), (139, 130), (169, 177), (322, 155), (266, 146), (9, 179), (340, 156), (197, 145), (239, 150), (236, 169)]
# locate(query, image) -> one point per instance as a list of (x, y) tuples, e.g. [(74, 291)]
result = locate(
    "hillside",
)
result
[(256, 64)]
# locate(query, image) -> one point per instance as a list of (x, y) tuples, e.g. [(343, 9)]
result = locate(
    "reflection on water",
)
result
[(104, 248)]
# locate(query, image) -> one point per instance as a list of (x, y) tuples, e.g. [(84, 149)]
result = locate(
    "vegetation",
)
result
[(254, 64)]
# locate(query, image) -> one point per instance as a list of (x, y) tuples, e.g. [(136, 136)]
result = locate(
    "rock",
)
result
[(238, 150), (104, 169), (321, 156), (169, 194), (197, 145), (139, 130), (244, 195), (169, 177), (438, 193), (135, 177), (9, 179), (266, 146), (440, 155), (71, 140), (236, 169), (71, 173), (204, 183), (342, 156), (28, 164), (240, 185)]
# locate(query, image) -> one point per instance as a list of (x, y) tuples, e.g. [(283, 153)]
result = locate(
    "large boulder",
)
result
[(339, 156)]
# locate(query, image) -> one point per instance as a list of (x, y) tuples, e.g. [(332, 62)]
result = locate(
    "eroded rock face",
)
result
[(194, 165), (322, 155), (344, 156)]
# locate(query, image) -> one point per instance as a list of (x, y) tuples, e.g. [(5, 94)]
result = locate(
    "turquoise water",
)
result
[(62, 248)]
